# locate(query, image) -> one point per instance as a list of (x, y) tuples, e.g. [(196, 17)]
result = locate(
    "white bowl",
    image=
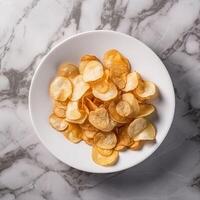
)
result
[(142, 59)]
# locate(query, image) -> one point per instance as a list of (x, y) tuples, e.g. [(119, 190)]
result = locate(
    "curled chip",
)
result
[(91, 106), (137, 145), (147, 90), (102, 85), (59, 109), (149, 133), (99, 159), (78, 121), (131, 82), (104, 152), (67, 70), (105, 141), (101, 120), (58, 123), (87, 140), (84, 61), (119, 67), (120, 148), (73, 133), (123, 137), (136, 127), (123, 108), (146, 110), (72, 111), (93, 71), (80, 87), (115, 116), (60, 88), (130, 98), (111, 93)]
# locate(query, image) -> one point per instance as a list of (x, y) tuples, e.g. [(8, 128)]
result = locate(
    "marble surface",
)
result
[(29, 29)]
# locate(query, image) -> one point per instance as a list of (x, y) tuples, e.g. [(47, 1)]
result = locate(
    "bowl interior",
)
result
[(141, 58)]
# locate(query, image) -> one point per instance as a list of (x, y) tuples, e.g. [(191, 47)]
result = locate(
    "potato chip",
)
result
[(58, 123), (78, 121), (73, 133), (148, 90), (99, 159), (59, 109), (130, 98), (91, 106), (79, 88), (67, 70), (146, 110), (131, 82), (136, 127), (60, 88), (137, 145), (149, 133), (101, 120), (109, 95), (105, 140), (115, 116), (84, 61), (123, 138), (123, 108), (121, 148), (87, 140), (119, 67), (104, 152), (72, 111), (93, 71)]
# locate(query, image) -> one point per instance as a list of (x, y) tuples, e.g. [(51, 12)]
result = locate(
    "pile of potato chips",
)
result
[(103, 104)]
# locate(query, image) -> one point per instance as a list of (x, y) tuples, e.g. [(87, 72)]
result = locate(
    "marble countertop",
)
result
[(29, 29)]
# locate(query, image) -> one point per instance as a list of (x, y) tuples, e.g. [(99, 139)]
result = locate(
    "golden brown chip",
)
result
[(80, 87), (121, 148), (149, 133), (67, 70), (59, 109), (137, 145), (72, 111), (123, 108), (93, 71), (136, 127), (130, 98), (60, 88), (105, 140), (73, 133), (115, 116), (110, 94), (101, 120), (146, 110), (58, 123), (78, 121), (146, 90), (104, 152), (123, 137), (131, 82), (91, 106), (84, 61), (119, 67), (99, 159)]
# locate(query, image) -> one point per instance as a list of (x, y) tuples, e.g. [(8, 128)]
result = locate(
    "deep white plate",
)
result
[(142, 59)]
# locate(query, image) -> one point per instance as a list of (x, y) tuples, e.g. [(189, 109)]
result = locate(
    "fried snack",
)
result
[(105, 141), (60, 88), (110, 94), (103, 104), (67, 70), (149, 133), (119, 67), (131, 82), (84, 61), (101, 120), (99, 159), (93, 71), (146, 90), (80, 87), (58, 123), (136, 127)]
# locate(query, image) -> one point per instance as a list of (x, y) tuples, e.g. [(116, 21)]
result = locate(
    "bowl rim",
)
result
[(86, 33)]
